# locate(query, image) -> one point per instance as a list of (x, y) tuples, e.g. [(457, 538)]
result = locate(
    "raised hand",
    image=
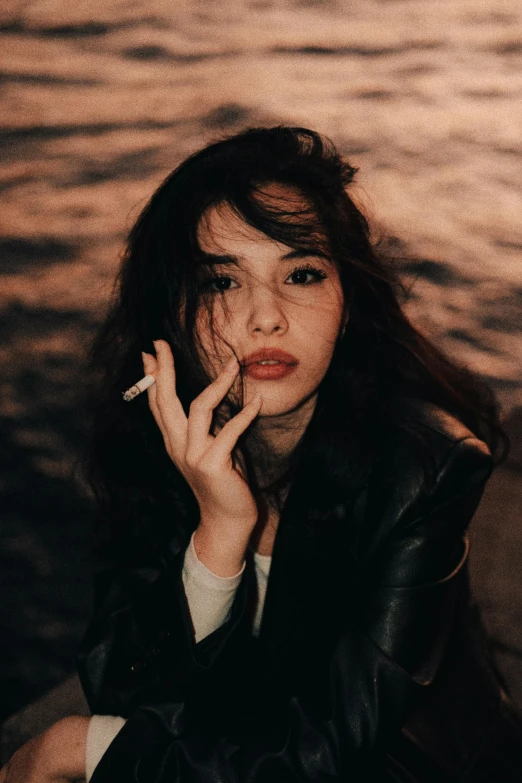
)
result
[(227, 506)]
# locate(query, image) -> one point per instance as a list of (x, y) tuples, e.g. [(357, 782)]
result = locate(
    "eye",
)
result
[(306, 269), (218, 284)]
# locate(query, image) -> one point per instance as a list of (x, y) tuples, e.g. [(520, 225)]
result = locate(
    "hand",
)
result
[(225, 501), (55, 756)]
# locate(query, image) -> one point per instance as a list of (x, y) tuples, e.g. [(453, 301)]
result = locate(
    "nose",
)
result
[(267, 313)]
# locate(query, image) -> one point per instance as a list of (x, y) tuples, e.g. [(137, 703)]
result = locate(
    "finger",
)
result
[(150, 366), (166, 400), (202, 408), (221, 449), (166, 380)]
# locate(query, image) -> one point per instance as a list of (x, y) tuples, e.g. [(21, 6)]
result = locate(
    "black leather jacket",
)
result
[(370, 663)]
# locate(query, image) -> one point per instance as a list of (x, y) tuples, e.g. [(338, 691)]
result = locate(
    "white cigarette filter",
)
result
[(139, 387)]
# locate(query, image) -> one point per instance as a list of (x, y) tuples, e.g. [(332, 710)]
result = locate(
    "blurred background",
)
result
[(99, 101)]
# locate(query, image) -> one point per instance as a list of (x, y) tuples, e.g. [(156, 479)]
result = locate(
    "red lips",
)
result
[(286, 364), (270, 354)]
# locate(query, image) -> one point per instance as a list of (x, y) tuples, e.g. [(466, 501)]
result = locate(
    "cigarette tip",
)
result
[(142, 385), (130, 394)]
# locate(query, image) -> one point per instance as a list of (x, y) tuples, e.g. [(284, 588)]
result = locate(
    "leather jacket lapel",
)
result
[(303, 571)]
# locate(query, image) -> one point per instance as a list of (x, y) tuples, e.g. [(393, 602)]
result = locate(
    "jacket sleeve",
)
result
[(141, 645), (389, 650)]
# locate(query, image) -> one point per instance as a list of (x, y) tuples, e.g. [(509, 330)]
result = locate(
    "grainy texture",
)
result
[(99, 101)]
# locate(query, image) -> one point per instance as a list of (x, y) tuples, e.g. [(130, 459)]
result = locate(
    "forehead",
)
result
[(220, 224)]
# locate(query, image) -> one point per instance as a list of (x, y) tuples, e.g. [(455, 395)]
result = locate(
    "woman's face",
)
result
[(266, 295)]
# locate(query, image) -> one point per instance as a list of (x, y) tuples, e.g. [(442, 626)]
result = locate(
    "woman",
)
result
[(285, 513)]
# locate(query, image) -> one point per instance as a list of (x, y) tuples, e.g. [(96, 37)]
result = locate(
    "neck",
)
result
[(273, 440), (282, 433), (271, 444)]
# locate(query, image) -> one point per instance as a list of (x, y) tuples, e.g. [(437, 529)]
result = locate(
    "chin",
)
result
[(280, 408)]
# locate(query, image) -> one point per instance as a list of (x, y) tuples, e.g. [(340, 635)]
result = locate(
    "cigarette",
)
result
[(139, 387)]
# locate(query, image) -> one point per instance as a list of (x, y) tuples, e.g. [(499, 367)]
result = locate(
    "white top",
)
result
[(210, 598)]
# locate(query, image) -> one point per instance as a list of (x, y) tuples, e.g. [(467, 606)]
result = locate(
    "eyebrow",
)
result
[(226, 260)]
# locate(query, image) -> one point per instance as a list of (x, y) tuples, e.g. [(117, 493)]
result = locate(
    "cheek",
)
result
[(204, 334), (323, 321), (214, 351), (217, 319), (320, 333), (206, 325)]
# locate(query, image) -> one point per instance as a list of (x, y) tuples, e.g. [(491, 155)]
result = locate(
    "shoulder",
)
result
[(429, 479), (430, 460), (426, 426)]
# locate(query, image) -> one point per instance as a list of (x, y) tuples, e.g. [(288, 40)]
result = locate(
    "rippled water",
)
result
[(99, 101)]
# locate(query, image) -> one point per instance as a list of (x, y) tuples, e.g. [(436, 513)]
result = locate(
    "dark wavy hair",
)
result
[(380, 361)]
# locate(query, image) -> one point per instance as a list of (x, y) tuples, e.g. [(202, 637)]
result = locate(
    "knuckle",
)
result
[(207, 467), (191, 461), (160, 390), (226, 431), (162, 398), (195, 405)]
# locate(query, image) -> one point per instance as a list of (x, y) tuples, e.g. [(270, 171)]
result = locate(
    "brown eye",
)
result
[(217, 285), (302, 272)]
